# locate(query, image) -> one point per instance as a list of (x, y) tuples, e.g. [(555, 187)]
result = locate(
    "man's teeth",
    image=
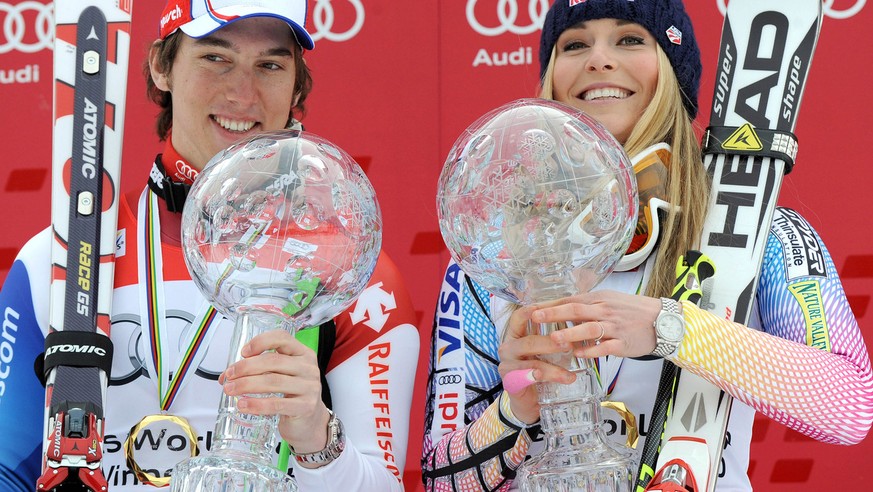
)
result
[(234, 125), (606, 92)]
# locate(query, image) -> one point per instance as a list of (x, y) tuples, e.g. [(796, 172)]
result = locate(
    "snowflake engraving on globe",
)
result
[(537, 201), (284, 223)]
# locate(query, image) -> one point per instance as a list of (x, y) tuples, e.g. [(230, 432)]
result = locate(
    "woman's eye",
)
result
[(633, 40), (574, 45)]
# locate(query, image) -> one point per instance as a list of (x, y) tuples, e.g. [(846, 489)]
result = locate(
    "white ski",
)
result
[(766, 50)]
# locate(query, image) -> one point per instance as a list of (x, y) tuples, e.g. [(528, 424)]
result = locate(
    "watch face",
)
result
[(671, 326)]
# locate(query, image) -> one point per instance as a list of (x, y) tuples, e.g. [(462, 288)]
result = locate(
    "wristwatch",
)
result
[(336, 442), (669, 328)]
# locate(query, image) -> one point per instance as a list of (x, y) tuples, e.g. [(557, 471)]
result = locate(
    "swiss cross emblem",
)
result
[(372, 307), (674, 35)]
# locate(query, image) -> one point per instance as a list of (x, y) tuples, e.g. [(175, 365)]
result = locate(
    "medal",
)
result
[(129, 448), (162, 355)]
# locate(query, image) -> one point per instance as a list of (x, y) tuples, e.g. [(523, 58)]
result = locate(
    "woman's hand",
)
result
[(519, 358), (603, 323), (276, 362), (618, 324)]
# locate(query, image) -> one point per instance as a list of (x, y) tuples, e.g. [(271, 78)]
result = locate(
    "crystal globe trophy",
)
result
[(280, 232), (537, 201)]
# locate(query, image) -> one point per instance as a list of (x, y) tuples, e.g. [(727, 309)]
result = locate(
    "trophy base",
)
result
[(228, 473), (583, 470)]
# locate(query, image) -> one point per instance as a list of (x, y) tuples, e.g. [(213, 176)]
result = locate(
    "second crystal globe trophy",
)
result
[(536, 202), (280, 232)]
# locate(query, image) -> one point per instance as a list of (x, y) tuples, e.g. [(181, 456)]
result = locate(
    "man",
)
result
[(221, 71)]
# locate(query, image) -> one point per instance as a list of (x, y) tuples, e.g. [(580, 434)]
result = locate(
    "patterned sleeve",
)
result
[(472, 441), (809, 369)]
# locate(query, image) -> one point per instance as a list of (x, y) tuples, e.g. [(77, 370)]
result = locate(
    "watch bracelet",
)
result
[(336, 443), (670, 305)]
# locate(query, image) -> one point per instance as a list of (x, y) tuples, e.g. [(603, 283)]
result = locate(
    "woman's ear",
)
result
[(160, 76)]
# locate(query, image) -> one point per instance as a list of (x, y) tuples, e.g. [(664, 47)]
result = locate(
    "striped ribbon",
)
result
[(159, 346)]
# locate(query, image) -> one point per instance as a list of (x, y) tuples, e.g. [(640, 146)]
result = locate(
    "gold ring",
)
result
[(142, 475)]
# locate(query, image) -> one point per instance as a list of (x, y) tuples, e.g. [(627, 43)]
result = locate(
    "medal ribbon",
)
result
[(153, 306)]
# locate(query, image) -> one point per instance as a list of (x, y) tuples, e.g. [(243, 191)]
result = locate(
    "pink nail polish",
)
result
[(517, 380)]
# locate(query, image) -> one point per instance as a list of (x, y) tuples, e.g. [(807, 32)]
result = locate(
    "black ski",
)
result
[(91, 55)]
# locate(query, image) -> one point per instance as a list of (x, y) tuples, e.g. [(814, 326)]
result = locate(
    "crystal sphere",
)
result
[(537, 201), (284, 223)]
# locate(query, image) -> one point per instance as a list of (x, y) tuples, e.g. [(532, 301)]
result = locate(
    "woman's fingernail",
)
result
[(517, 380)]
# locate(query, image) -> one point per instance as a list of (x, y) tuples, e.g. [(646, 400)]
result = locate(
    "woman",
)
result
[(615, 61), (221, 71)]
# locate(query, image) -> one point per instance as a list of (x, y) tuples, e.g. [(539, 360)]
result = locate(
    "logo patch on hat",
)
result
[(576, 2), (674, 35), (173, 15)]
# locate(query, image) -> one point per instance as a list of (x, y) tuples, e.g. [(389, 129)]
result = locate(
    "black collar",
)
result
[(171, 192)]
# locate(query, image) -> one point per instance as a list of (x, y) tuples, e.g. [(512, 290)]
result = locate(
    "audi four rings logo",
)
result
[(28, 26), (509, 21), (507, 15), (827, 7), (449, 379), (323, 19), (18, 35)]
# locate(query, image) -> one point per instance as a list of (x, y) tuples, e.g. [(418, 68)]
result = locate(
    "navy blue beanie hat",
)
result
[(666, 20)]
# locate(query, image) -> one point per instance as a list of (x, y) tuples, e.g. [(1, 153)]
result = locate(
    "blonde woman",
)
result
[(614, 60)]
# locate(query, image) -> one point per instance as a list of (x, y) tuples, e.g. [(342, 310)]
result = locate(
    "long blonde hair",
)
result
[(688, 185)]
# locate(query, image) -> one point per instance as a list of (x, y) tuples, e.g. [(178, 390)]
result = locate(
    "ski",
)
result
[(91, 50), (766, 49), (692, 271)]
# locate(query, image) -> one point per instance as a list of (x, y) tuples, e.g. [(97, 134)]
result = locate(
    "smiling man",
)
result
[(221, 71)]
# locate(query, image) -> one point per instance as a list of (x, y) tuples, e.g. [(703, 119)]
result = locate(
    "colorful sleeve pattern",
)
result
[(472, 441), (809, 369)]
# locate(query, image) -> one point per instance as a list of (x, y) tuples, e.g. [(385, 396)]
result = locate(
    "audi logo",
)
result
[(827, 7), (507, 14), (323, 19), (185, 171), (449, 379), (15, 28)]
